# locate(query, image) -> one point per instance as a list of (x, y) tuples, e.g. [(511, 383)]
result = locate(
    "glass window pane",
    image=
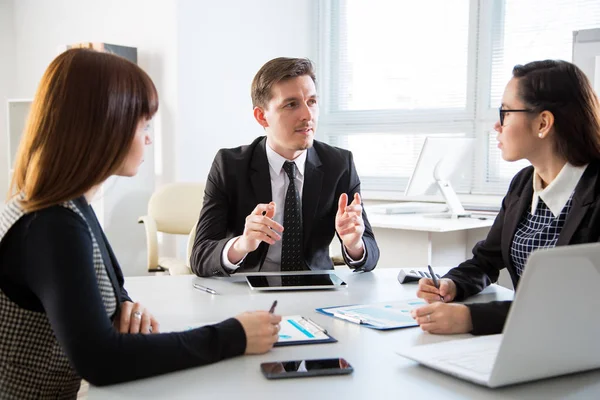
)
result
[(531, 31), (385, 162), (402, 55)]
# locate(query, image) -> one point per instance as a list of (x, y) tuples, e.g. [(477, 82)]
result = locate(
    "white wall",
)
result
[(222, 44), (150, 25), (202, 56), (7, 76), (221, 47)]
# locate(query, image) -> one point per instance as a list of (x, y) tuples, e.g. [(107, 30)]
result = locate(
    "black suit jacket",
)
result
[(239, 180), (493, 254)]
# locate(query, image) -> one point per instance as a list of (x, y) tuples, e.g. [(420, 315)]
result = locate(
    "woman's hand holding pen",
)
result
[(440, 317), (443, 318), (430, 293), (262, 330)]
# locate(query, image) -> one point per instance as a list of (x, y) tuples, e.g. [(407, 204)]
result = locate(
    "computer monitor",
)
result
[(443, 160)]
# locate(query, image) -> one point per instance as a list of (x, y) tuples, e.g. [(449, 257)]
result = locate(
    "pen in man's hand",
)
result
[(204, 288), (435, 280), (272, 309)]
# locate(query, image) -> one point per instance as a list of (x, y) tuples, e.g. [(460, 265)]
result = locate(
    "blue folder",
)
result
[(364, 318)]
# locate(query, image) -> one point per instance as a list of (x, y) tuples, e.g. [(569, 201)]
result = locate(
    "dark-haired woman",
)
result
[(549, 116)]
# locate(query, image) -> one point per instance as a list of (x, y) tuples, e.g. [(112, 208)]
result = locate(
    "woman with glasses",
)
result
[(549, 116)]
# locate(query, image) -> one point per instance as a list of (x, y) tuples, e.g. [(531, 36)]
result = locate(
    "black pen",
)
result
[(436, 282), (272, 309)]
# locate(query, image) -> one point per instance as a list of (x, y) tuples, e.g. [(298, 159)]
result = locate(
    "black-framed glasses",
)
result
[(504, 111)]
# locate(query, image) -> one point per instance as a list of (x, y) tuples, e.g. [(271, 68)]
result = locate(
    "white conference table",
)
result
[(379, 373)]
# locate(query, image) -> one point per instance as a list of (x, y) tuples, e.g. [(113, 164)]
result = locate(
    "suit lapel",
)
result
[(311, 191), (259, 174), (582, 198), (514, 212)]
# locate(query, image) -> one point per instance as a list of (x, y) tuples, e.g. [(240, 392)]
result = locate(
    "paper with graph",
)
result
[(389, 315)]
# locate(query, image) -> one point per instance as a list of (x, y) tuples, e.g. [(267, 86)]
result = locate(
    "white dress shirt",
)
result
[(558, 192), (279, 185)]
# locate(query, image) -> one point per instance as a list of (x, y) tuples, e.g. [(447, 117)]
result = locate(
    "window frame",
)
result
[(485, 33)]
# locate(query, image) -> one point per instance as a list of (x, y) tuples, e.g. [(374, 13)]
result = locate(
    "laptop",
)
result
[(552, 328)]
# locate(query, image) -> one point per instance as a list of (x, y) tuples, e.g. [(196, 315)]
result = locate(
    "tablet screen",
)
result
[(295, 281)]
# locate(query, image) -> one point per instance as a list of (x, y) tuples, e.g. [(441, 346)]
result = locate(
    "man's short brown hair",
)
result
[(277, 70)]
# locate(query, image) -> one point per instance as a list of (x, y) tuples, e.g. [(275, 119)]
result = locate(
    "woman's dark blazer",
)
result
[(493, 254)]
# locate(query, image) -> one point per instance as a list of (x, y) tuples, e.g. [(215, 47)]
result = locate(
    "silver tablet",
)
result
[(295, 281)]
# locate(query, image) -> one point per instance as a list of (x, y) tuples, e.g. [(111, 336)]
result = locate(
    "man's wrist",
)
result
[(356, 252), (235, 253)]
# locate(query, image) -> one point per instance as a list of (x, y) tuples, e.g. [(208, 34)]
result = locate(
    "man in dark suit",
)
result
[(275, 205)]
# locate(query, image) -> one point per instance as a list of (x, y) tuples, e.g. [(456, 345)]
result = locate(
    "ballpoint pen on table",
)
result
[(313, 323), (204, 288), (435, 280), (346, 317)]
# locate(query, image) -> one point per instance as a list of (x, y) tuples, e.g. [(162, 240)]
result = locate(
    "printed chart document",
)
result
[(392, 315), (295, 329)]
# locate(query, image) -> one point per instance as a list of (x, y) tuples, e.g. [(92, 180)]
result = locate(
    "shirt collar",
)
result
[(276, 161), (558, 192)]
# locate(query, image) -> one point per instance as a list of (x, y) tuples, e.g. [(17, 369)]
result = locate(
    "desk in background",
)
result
[(379, 372), (417, 240)]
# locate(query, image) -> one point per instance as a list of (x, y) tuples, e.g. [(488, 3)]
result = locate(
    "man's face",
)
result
[(290, 118)]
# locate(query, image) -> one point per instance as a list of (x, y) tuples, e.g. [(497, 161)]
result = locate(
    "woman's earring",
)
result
[(541, 135)]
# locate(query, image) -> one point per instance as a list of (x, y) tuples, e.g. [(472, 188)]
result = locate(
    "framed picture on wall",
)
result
[(130, 53)]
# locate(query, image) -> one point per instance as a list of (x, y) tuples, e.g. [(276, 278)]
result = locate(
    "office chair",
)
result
[(174, 209)]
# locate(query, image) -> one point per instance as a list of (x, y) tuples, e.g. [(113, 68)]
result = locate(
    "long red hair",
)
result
[(81, 125)]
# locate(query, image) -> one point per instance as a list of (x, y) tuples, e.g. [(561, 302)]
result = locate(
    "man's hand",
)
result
[(350, 226), (444, 318), (428, 292), (259, 227), (134, 318)]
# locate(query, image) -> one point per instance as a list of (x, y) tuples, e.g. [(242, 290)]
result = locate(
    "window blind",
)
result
[(393, 72), (396, 73), (524, 31)]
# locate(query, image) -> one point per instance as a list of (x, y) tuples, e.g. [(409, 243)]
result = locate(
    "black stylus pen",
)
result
[(272, 309), (436, 282)]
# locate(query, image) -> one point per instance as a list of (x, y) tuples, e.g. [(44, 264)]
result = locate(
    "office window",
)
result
[(376, 55), (392, 72), (387, 160), (522, 32), (383, 94)]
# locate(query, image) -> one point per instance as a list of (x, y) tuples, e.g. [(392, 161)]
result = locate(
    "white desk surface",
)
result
[(422, 222), (378, 372)]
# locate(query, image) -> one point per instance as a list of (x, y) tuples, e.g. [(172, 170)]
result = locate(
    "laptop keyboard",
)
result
[(480, 360)]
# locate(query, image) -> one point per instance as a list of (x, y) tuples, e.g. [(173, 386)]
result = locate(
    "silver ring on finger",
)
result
[(428, 317), (137, 315), (150, 329)]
